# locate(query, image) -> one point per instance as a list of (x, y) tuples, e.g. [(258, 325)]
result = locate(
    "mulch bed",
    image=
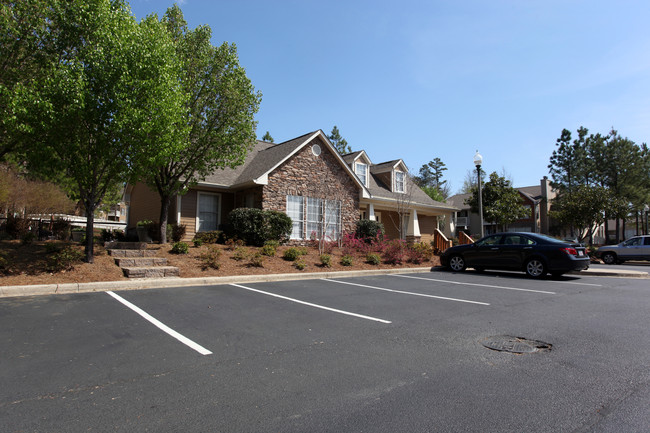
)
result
[(28, 264)]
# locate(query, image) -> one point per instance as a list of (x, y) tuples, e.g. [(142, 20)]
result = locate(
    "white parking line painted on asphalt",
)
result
[(202, 350), (476, 284), (311, 305), (579, 284), (407, 293)]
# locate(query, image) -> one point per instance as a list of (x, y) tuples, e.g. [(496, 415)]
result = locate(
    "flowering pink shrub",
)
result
[(395, 252)]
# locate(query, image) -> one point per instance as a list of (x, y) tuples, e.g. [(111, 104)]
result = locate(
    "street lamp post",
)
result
[(478, 160)]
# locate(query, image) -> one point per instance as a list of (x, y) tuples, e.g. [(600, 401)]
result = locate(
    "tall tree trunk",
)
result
[(165, 202), (606, 229), (90, 222), (623, 228), (618, 230)]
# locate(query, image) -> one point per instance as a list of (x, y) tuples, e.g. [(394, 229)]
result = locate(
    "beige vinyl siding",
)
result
[(144, 204), (188, 214), (428, 225), (390, 220)]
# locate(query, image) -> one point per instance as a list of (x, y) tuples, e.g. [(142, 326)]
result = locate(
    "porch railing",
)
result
[(440, 241), (463, 239)]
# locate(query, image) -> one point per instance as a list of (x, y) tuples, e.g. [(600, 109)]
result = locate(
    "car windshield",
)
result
[(632, 242)]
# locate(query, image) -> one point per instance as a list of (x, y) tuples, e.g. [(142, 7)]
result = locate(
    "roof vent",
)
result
[(315, 149)]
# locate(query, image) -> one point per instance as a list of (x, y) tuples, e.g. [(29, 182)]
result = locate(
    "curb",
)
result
[(158, 283), (604, 273)]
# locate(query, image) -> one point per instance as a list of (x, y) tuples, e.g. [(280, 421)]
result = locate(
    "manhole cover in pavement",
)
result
[(508, 343)]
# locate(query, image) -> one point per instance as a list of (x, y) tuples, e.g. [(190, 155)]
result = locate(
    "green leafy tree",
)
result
[(94, 107), (217, 128), (501, 202), (585, 208), (430, 179), (340, 144), (267, 137), (609, 161), (25, 51)]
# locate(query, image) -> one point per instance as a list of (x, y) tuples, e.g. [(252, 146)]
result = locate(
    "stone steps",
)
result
[(151, 272), (132, 253), (136, 261), (140, 262)]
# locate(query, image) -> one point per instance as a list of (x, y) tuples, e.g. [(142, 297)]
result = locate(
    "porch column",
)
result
[(413, 228), (449, 224), (371, 212), (178, 209)]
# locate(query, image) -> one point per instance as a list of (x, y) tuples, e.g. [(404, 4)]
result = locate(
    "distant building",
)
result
[(537, 199)]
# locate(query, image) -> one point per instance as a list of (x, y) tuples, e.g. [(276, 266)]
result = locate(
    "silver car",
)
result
[(636, 248)]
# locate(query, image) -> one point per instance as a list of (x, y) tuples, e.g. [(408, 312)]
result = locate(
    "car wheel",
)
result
[(535, 268), (457, 263), (609, 258)]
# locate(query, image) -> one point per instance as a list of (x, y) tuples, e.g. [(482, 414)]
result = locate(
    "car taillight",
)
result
[(571, 251)]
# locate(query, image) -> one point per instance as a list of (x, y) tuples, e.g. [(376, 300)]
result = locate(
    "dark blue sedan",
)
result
[(532, 253)]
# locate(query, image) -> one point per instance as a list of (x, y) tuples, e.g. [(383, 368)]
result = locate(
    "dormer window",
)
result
[(399, 181), (361, 171)]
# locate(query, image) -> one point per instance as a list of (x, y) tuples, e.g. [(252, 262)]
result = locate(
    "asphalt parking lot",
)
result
[(393, 353)]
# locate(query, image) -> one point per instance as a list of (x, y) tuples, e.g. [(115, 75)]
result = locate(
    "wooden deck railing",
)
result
[(464, 239), (440, 241)]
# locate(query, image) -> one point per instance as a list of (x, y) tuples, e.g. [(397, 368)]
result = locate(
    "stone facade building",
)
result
[(323, 192)]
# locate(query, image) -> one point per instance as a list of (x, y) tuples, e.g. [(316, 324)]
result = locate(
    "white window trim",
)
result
[(356, 164), (198, 201), (304, 216), (403, 182)]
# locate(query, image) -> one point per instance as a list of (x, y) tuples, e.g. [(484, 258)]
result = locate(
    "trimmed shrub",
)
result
[(65, 260), (211, 258), (293, 253), (420, 252), (347, 260), (197, 242), (268, 250), (256, 226), (368, 229), (300, 264), (211, 237), (180, 248), (373, 258), (395, 252), (240, 254), (176, 231), (256, 260), (326, 260), (233, 243)]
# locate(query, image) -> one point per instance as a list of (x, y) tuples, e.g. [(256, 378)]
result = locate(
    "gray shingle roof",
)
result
[(382, 166), (263, 157)]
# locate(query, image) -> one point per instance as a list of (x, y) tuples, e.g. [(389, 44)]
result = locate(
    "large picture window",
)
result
[(208, 208), (314, 217), (296, 213), (317, 216), (332, 220)]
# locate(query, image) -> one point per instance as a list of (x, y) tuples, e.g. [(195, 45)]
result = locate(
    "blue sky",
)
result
[(423, 79)]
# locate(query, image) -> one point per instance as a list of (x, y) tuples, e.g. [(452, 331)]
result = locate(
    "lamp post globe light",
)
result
[(478, 161)]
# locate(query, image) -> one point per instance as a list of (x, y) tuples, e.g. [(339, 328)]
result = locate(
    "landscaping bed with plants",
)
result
[(255, 244), (55, 262)]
